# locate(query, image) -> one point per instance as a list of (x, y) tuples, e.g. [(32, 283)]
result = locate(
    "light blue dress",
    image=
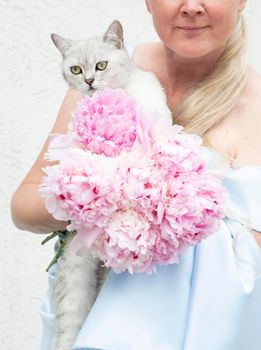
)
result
[(211, 300)]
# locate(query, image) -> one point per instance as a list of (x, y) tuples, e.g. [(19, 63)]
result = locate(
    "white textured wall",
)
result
[(30, 95)]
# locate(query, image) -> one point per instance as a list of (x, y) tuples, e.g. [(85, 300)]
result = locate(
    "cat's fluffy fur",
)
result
[(79, 278)]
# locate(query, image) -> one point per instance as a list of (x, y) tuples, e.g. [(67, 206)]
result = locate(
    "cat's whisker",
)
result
[(82, 88), (102, 85)]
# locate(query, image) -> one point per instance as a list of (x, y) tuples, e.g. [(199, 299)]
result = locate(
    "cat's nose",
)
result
[(89, 81)]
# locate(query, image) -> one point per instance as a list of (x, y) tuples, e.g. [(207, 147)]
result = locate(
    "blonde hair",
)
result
[(216, 95)]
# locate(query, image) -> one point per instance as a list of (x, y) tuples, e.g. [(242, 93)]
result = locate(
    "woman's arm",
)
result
[(27, 207)]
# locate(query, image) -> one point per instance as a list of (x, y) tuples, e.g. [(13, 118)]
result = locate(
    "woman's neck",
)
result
[(183, 73)]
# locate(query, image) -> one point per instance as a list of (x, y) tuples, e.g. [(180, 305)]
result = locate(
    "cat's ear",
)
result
[(114, 34), (63, 45)]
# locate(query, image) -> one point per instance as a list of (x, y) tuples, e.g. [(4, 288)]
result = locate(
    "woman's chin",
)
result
[(193, 52)]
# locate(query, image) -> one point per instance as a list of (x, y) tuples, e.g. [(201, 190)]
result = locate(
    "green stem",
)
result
[(61, 248), (56, 256), (52, 235)]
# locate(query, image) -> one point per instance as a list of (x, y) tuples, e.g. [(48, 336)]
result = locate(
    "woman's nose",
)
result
[(192, 7)]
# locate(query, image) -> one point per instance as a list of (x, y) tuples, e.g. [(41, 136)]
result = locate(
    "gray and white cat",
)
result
[(87, 66)]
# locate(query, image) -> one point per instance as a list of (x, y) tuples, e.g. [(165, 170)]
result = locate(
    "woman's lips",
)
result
[(192, 30)]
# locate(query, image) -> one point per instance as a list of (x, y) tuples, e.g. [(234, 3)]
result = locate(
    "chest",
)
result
[(239, 136)]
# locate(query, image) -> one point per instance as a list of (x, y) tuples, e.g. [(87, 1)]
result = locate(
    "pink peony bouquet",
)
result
[(135, 189)]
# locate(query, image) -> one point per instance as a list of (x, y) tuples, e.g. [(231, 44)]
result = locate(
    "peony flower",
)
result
[(106, 122), (137, 191), (81, 188), (126, 243)]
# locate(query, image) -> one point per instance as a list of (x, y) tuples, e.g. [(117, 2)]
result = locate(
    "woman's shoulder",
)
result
[(252, 101), (146, 55), (144, 48), (247, 122), (254, 85)]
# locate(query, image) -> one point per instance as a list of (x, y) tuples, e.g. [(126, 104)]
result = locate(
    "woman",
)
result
[(211, 300)]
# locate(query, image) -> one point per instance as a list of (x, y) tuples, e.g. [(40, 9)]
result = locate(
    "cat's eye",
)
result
[(76, 70), (101, 65)]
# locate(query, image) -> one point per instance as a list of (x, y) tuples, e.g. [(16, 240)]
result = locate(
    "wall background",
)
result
[(30, 95)]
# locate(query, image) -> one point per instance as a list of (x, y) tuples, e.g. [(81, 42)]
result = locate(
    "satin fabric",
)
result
[(211, 300)]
